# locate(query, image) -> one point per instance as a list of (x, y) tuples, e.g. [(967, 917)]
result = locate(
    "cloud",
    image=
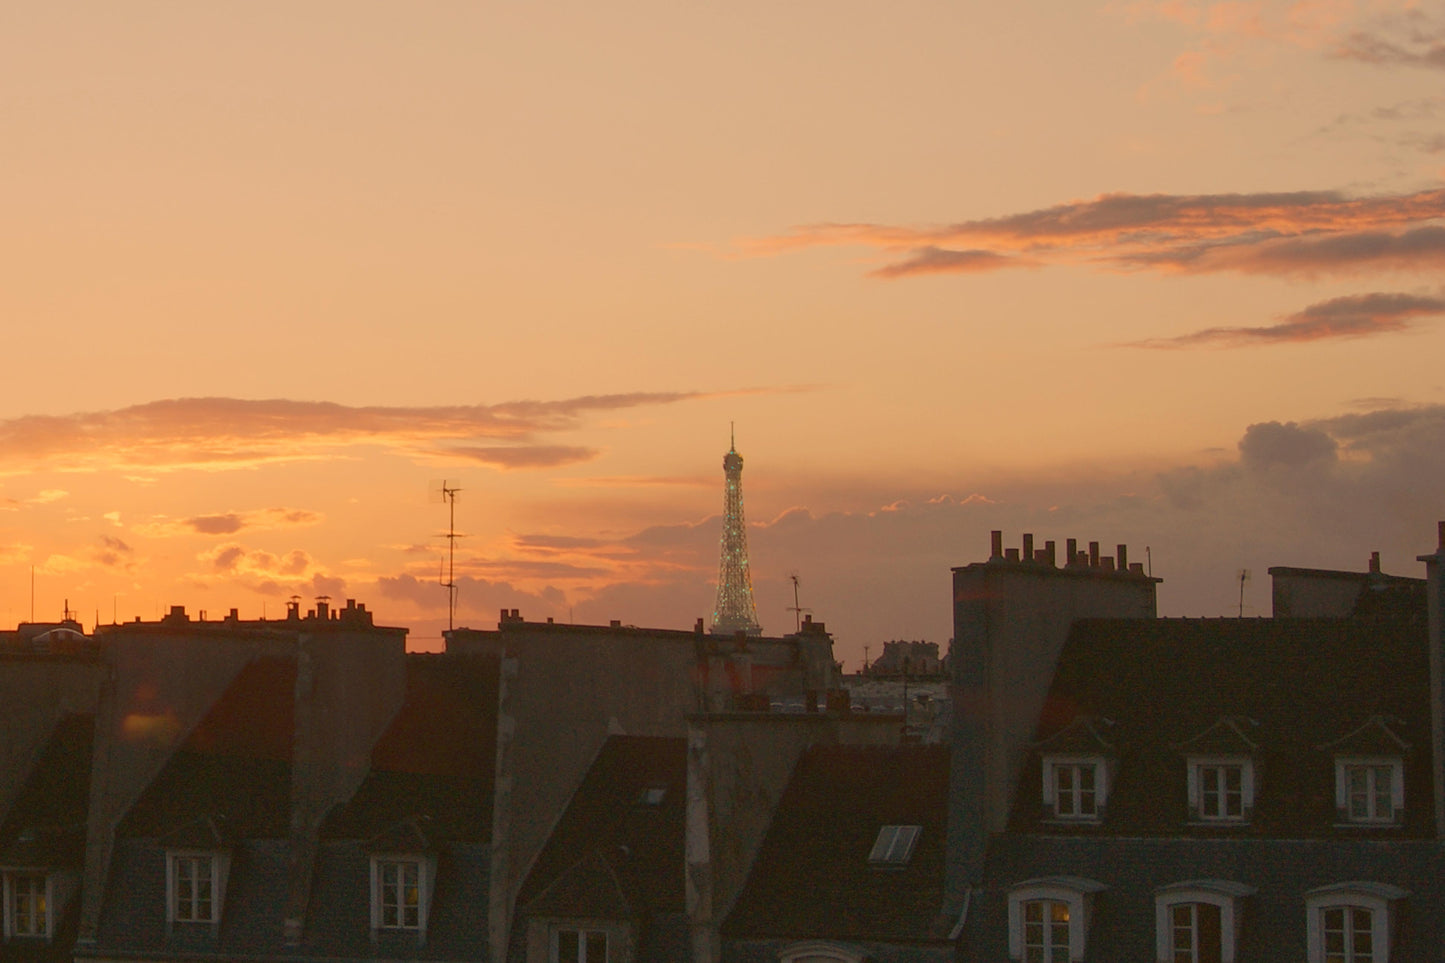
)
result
[(1271, 444), (1353, 316), (1407, 38), (523, 456), (48, 497), (114, 553), (235, 433), (233, 559), (1281, 233)]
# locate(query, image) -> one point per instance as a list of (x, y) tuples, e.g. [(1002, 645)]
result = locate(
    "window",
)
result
[(1350, 922), (195, 884), (1075, 787), (579, 946), (1049, 918), (401, 887), (1221, 789), (894, 846), (819, 951), (28, 902), (1195, 921), (1369, 789)]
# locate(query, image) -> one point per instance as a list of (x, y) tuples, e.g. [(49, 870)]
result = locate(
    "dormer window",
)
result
[(28, 903), (195, 886), (894, 845), (1076, 771), (1075, 787), (1221, 789), (1370, 790), (1370, 773)]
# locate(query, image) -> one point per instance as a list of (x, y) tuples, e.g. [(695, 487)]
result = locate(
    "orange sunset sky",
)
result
[(1165, 273)]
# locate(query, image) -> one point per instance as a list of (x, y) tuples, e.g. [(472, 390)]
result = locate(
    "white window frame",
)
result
[(1076, 892), (12, 887), (819, 951), (1224, 894), (218, 864), (425, 868), (1198, 765), (1345, 764), (894, 845), (1374, 898), (583, 931), (1052, 764)]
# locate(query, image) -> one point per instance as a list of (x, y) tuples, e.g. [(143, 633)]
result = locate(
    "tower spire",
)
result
[(735, 611)]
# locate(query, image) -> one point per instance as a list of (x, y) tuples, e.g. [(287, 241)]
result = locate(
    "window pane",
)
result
[(569, 949), (596, 948)]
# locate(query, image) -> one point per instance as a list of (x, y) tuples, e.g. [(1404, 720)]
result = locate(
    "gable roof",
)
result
[(433, 766), (46, 824), (812, 878), (610, 823), (1179, 686), (235, 765)]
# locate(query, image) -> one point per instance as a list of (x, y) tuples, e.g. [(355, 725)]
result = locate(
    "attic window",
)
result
[(894, 846), (652, 796), (27, 905)]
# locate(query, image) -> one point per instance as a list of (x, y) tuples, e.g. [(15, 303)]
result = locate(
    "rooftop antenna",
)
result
[(796, 609), (1243, 577), (448, 494)]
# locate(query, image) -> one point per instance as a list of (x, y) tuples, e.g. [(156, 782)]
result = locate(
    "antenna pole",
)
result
[(450, 494), (797, 611)]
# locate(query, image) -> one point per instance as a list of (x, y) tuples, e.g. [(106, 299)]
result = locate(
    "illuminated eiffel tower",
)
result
[(735, 611)]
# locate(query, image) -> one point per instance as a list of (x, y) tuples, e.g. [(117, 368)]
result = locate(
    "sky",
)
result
[(1157, 272)]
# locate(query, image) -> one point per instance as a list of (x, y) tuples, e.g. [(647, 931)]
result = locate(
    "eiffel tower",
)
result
[(735, 611)]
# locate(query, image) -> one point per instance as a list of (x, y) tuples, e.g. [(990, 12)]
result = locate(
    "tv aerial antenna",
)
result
[(795, 608), (1244, 576), (442, 492)]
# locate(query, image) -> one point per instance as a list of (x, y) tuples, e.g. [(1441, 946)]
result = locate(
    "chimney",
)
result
[(1011, 554), (1435, 606), (1122, 554), (1093, 554), (1050, 553), (1028, 547), (1374, 563), (1071, 551), (997, 548)]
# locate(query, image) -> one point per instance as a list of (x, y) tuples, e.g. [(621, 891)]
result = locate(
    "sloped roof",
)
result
[(812, 878), (434, 763), (610, 822), (235, 765), (1167, 682), (46, 824)]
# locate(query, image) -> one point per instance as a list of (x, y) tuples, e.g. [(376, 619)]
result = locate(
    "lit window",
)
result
[(195, 885), (1046, 931), (27, 905), (894, 845), (1195, 921), (1075, 787), (1369, 790), (1221, 789), (1350, 922), (400, 885), (401, 889), (1049, 918), (652, 796), (579, 946)]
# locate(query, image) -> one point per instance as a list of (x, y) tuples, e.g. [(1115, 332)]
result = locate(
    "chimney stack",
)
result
[(1071, 551), (997, 551), (1050, 553), (1123, 557), (1028, 547), (1093, 554)]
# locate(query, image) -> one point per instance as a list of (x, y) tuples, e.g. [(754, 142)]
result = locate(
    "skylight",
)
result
[(894, 846)]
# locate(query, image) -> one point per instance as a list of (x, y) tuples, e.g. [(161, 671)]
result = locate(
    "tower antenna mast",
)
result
[(449, 494), (795, 608)]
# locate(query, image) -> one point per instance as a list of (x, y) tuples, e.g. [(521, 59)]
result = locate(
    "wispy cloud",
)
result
[(234, 433), (1291, 233), (1353, 316), (1407, 38), (229, 523)]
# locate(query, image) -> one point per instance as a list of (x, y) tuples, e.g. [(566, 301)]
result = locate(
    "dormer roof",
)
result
[(1228, 736), (1377, 737), (1082, 736)]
